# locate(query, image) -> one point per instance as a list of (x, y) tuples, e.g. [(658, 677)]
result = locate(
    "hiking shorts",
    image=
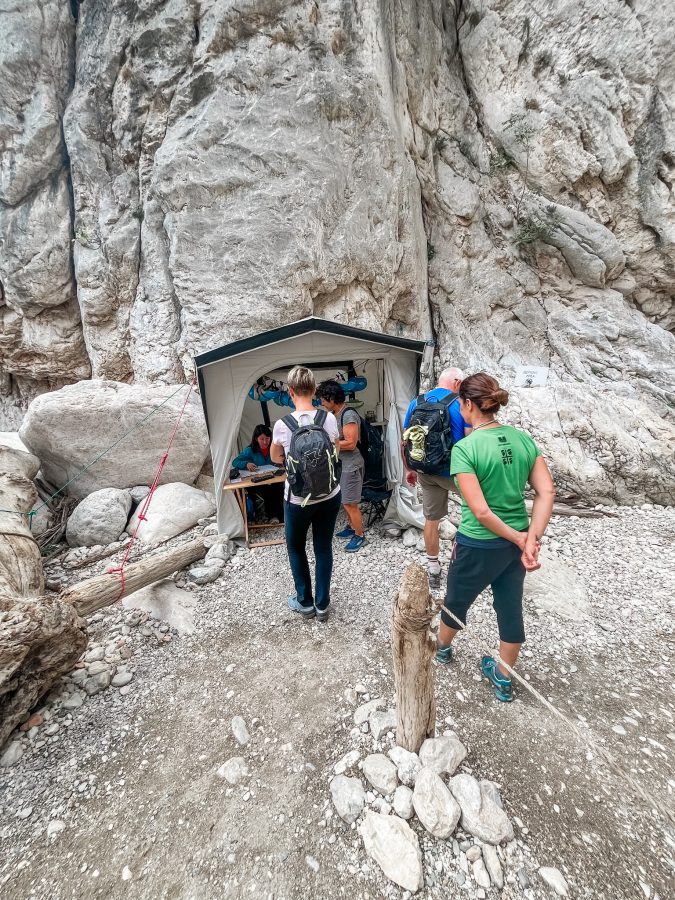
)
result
[(472, 569), (435, 489), (351, 480)]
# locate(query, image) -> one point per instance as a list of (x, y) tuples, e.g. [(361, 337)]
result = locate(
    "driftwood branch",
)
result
[(413, 650), (102, 590), (41, 638)]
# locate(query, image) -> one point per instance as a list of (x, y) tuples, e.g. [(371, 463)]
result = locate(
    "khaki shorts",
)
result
[(351, 481), (435, 489)]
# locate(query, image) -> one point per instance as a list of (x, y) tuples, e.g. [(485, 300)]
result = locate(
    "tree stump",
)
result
[(413, 651), (41, 638)]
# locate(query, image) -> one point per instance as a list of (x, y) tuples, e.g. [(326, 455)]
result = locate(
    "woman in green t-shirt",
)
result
[(495, 544)]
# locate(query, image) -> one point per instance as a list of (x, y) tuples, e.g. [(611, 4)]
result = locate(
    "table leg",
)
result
[(240, 494)]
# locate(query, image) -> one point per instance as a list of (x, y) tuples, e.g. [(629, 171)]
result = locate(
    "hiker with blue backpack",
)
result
[(333, 399), (496, 543), (305, 441), (433, 424)]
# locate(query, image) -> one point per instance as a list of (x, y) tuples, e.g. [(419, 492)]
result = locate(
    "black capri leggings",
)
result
[(472, 569)]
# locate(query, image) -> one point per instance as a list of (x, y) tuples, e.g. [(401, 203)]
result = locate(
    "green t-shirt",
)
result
[(502, 459)]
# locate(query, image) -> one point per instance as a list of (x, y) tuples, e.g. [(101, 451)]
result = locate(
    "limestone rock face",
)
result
[(67, 429), (495, 176), (41, 341)]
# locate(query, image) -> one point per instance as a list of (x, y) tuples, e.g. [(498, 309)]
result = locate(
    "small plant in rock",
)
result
[(440, 143), (82, 237), (138, 213), (431, 251), (543, 61), (499, 160), (523, 131), (537, 227)]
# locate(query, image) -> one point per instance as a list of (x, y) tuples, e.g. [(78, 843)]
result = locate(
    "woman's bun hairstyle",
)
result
[(483, 390), (496, 399)]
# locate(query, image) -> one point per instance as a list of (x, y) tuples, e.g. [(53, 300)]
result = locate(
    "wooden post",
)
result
[(413, 650)]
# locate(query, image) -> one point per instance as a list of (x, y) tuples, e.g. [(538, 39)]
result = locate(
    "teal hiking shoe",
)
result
[(444, 654), (502, 686), (307, 612), (346, 533)]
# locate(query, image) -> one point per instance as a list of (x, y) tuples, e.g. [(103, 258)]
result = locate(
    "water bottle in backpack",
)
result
[(428, 437), (312, 463)]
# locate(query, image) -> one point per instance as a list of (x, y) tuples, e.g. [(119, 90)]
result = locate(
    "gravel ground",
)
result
[(120, 796)]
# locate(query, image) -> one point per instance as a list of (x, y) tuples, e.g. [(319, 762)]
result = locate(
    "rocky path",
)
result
[(120, 796)]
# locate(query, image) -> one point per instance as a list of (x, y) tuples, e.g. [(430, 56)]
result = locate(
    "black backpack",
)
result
[(369, 445), (312, 463), (436, 446)]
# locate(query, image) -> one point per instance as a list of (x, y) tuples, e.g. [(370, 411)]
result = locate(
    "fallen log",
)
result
[(41, 638), (102, 590), (413, 649)]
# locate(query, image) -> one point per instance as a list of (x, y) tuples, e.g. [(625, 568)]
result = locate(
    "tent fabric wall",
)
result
[(225, 384)]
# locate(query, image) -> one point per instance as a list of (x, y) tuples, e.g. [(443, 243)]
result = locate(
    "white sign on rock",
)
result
[(531, 376)]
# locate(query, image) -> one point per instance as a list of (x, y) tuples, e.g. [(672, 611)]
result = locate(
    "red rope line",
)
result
[(142, 516)]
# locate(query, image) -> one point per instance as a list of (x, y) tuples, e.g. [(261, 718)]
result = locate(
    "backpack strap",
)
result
[(291, 422), (320, 417), (421, 399), (449, 400)]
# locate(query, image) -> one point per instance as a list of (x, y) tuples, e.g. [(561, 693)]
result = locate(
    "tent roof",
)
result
[(296, 329)]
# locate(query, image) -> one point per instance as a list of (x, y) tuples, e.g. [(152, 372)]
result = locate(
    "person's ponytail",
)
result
[(483, 390)]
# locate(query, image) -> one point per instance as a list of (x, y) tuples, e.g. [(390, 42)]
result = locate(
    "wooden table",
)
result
[(239, 488)]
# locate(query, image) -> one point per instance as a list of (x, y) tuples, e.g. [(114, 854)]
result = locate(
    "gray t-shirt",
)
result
[(348, 416)]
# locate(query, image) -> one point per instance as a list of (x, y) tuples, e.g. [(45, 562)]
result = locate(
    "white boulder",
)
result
[(482, 814), (403, 802), (555, 879), (408, 764), (435, 806), (380, 772), (99, 519), (349, 797), (382, 722), (174, 508), (362, 713), (393, 845), (442, 754), (68, 428), (234, 770)]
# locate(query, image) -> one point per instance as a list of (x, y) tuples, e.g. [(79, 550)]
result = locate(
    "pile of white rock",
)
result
[(384, 791)]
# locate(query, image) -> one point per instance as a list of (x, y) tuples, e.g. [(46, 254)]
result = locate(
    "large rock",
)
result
[(557, 588), (435, 806), (442, 754), (394, 846), (67, 429), (407, 764), (380, 772), (42, 344), (418, 196), (349, 797), (99, 519), (482, 815), (174, 508)]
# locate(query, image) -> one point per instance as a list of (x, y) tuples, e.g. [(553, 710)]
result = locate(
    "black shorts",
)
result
[(472, 570)]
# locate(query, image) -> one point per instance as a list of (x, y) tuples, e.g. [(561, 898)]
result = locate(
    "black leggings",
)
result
[(472, 569)]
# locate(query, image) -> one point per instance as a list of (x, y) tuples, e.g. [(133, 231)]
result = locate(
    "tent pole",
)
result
[(265, 412)]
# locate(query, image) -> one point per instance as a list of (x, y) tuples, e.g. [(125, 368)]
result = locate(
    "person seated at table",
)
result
[(265, 500), (258, 451)]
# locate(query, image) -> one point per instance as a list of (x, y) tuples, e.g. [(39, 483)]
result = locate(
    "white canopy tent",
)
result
[(227, 374)]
